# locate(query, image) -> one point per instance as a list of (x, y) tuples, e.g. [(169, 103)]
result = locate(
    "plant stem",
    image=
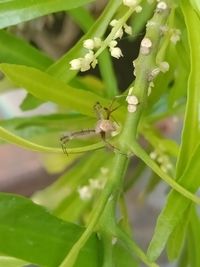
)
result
[(113, 185), (134, 248)]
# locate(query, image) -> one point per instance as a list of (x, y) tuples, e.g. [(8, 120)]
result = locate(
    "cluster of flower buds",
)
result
[(86, 192), (84, 64), (162, 159), (132, 101), (90, 58)]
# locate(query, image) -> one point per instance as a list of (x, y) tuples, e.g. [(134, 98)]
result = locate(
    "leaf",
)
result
[(177, 237), (194, 239), (191, 131), (82, 17), (16, 51), (32, 234), (47, 88), (11, 262), (17, 11), (175, 207), (30, 102), (13, 139), (196, 5)]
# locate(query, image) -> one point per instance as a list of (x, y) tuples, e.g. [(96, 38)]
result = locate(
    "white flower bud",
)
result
[(138, 9), (162, 6), (119, 34), (130, 3), (85, 193), (132, 108), (116, 52), (146, 42), (175, 37), (112, 44), (127, 29), (75, 64), (89, 44), (89, 56), (153, 155), (164, 66), (113, 22), (132, 100)]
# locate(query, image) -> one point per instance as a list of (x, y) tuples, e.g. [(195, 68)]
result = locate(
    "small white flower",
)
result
[(153, 155), (89, 56), (85, 65), (85, 192), (116, 52), (112, 44), (144, 50), (127, 29), (132, 100), (113, 22), (162, 6), (75, 64), (146, 42), (164, 66), (176, 36), (119, 34), (114, 240), (130, 3), (138, 9), (132, 108), (89, 44)]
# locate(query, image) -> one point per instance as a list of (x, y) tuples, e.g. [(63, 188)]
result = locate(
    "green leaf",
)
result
[(11, 262), (31, 233), (82, 17), (175, 207), (196, 5), (194, 239), (61, 68), (47, 88), (17, 11), (191, 134), (16, 51), (30, 102), (14, 139), (177, 237)]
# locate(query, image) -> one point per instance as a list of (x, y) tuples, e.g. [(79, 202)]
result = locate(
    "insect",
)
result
[(105, 125)]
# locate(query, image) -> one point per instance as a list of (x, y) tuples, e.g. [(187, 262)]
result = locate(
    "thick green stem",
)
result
[(144, 65)]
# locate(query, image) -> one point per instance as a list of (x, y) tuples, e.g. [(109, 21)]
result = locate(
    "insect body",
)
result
[(104, 126)]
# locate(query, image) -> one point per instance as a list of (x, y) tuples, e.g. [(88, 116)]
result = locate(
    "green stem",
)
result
[(140, 153), (111, 36), (134, 248), (115, 182), (113, 185)]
